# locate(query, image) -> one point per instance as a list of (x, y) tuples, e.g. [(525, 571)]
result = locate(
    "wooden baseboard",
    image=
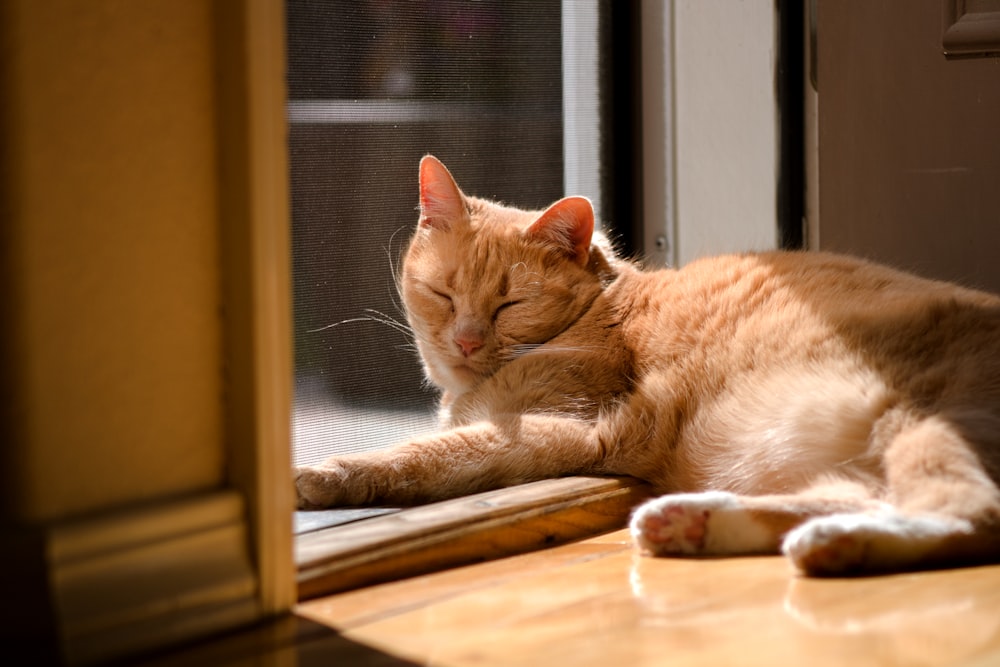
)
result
[(144, 579)]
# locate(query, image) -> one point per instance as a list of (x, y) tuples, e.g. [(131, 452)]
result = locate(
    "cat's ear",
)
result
[(442, 204), (568, 225)]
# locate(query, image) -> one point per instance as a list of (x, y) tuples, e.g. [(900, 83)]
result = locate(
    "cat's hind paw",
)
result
[(668, 526), (710, 523), (846, 544)]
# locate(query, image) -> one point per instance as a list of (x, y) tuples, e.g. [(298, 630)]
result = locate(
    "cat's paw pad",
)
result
[(317, 487), (679, 524), (672, 529)]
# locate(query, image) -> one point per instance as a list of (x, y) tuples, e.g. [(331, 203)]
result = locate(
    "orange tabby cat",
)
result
[(843, 412)]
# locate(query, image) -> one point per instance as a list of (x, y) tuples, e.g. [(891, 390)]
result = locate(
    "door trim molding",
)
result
[(968, 32)]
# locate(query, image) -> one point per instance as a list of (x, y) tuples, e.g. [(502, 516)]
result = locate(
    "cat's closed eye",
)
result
[(506, 305), (443, 299)]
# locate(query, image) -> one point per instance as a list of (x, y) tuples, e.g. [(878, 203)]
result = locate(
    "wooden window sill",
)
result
[(471, 529)]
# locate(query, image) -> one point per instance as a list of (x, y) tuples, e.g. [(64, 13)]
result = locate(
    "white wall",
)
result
[(581, 120), (725, 126)]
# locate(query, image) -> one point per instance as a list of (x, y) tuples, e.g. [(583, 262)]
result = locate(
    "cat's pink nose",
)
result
[(469, 344)]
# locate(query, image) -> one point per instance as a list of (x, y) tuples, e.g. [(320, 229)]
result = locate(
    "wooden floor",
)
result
[(595, 602)]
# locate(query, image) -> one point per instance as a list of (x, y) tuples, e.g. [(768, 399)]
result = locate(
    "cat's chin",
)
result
[(460, 378), (466, 375)]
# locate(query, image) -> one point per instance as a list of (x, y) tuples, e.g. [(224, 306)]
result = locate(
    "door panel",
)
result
[(909, 141)]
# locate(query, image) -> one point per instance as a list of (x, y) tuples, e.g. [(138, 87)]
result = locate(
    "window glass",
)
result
[(373, 86)]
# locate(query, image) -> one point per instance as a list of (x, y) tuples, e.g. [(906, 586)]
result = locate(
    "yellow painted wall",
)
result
[(109, 263)]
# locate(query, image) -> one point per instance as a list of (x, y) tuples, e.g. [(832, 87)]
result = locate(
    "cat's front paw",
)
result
[(713, 523), (319, 487)]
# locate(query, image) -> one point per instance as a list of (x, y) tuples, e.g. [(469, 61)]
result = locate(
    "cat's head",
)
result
[(484, 283)]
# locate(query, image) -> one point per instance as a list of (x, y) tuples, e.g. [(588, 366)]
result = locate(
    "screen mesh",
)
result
[(373, 86)]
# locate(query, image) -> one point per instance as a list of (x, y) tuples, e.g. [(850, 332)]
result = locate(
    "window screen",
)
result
[(373, 86)]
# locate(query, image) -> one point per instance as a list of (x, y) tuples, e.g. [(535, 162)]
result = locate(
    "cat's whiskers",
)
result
[(395, 260), (524, 349), (380, 318), (526, 272)]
